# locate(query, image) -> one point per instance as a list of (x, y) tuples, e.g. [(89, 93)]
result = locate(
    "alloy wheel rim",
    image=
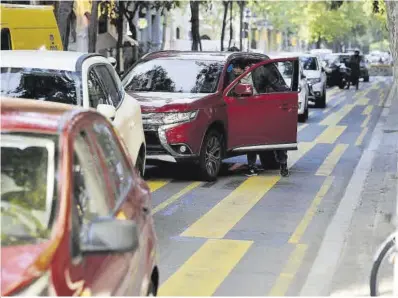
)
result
[(213, 155)]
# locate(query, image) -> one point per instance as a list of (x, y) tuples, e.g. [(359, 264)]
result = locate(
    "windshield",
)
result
[(171, 75), (40, 84), (309, 63), (27, 188)]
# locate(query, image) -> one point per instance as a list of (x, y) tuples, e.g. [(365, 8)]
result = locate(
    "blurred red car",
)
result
[(75, 215)]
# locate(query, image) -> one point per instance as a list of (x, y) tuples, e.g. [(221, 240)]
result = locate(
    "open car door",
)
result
[(262, 106)]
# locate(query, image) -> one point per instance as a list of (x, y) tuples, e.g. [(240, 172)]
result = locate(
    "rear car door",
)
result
[(267, 118)]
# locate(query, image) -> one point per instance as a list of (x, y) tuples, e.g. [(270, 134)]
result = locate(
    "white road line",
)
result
[(319, 279)]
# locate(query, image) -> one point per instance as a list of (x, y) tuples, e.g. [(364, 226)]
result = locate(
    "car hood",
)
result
[(312, 74), (15, 260), (167, 101)]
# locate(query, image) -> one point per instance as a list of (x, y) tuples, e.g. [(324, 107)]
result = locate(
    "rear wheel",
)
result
[(321, 101), (268, 160), (211, 156), (303, 117), (139, 165)]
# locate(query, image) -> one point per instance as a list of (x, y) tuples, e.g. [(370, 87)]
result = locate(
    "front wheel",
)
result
[(211, 156), (385, 252), (139, 165), (304, 116)]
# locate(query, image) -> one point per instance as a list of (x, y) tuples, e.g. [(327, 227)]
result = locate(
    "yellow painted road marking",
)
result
[(301, 127), (156, 184), (289, 271), (368, 110), (363, 101), (335, 118), (206, 269), (365, 121), (303, 148), (301, 228), (227, 213), (175, 197), (331, 160), (361, 137), (330, 134)]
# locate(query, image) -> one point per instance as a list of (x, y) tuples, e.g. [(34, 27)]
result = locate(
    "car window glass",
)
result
[(109, 84), (96, 94), (5, 39), (309, 63), (119, 171), (89, 185), (41, 84)]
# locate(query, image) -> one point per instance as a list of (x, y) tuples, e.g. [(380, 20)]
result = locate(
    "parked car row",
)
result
[(71, 177)]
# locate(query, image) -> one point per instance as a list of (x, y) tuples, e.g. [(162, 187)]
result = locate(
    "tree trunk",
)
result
[(224, 23), (241, 7), (93, 27), (231, 3), (119, 43), (196, 44), (318, 42), (392, 20), (63, 13)]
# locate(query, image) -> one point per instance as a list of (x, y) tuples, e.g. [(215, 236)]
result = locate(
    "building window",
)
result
[(178, 33)]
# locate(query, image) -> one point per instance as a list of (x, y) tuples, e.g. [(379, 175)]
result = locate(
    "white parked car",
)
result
[(304, 91), (87, 80), (316, 77)]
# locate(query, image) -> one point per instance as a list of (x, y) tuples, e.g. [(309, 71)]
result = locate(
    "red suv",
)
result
[(200, 107)]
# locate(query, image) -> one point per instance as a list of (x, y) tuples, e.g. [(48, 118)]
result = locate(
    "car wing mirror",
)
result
[(244, 89), (109, 236), (108, 111)]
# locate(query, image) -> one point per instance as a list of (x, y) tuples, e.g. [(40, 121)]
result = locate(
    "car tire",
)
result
[(139, 165), (303, 117), (211, 155), (321, 101), (268, 160), (366, 79)]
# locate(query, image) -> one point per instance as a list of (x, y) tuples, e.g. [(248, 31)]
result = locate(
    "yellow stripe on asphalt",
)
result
[(206, 269), (302, 227), (301, 127), (156, 184), (289, 271), (335, 118), (363, 101), (368, 110), (227, 213), (365, 121), (330, 134), (331, 160), (175, 197), (360, 138), (303, 148)]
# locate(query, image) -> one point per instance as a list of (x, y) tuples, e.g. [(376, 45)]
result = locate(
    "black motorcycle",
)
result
[(338, 74)]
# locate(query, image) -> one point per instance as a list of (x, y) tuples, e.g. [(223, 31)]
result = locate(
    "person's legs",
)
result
[(251, 161), (281, 157)]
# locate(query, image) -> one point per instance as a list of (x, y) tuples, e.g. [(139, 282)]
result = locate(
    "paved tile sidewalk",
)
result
[(369, 226)]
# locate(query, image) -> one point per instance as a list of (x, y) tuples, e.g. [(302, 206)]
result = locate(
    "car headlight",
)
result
[(168, 118), (315, 80)]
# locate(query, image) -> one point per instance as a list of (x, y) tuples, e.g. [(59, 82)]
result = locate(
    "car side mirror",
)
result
[(244, 89), (109, 235), (108, 111)]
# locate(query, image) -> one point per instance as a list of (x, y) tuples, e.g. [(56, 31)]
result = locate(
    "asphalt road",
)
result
[(260, 235)]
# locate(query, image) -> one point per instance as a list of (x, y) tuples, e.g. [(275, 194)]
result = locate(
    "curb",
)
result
[(320, 277)]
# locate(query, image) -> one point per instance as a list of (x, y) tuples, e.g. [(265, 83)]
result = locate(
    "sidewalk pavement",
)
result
[(360, 224)]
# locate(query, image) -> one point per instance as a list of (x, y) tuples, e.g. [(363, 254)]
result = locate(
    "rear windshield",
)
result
[(40, 84), (309, 63), (27, 188), (173, 75)]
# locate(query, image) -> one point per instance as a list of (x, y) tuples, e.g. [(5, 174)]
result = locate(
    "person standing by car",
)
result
[(354, 64), (280, 155)]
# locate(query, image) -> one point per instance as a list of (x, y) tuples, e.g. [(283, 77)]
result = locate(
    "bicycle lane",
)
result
[(347, 270)]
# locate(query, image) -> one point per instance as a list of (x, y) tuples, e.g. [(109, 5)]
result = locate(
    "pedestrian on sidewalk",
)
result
[(354, 64)]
